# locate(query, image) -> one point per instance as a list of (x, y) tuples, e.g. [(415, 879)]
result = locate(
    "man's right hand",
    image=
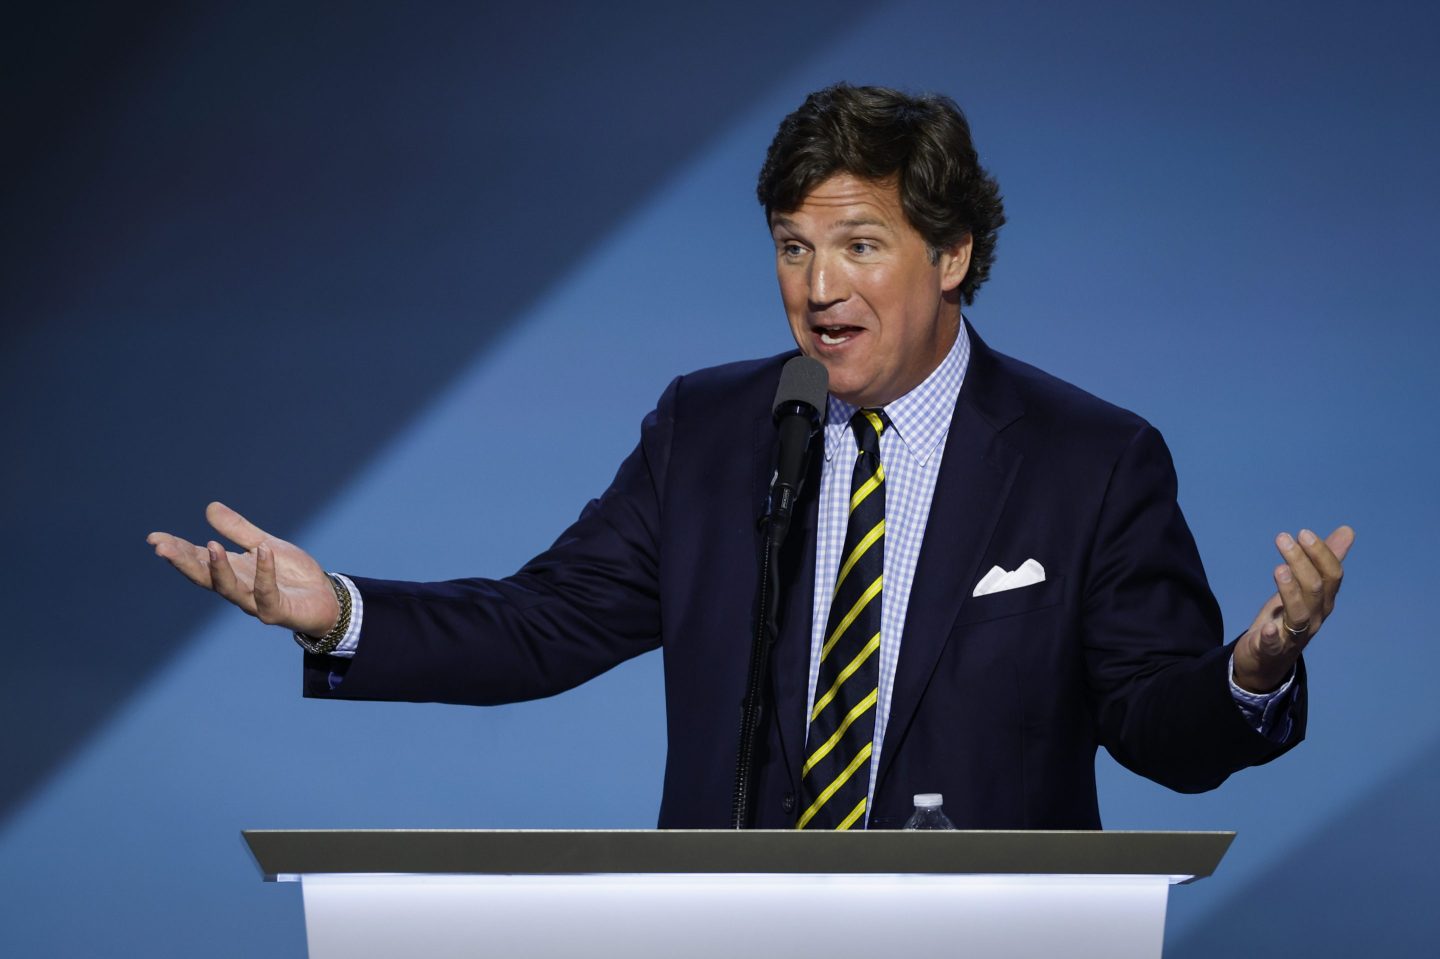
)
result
[(274, 581)]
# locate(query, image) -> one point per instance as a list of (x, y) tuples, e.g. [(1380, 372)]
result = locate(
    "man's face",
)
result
[(860, 291)]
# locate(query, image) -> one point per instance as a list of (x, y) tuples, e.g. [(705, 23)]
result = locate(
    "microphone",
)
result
[(798, 401)]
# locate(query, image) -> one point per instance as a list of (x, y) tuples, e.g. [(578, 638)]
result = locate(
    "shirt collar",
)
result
[(920, 418)]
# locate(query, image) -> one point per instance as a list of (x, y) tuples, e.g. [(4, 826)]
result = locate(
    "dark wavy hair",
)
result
[(875, 133)]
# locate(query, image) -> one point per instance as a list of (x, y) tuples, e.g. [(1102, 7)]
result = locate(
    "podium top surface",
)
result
[(285, 852)]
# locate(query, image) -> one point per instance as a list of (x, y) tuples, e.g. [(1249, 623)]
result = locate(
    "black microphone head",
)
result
[(805, 381)]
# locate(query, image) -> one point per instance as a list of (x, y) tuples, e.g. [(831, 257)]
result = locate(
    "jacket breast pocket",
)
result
[(1012, 602)]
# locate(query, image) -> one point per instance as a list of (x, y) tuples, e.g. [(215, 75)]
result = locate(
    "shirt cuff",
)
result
[(1267, 713)]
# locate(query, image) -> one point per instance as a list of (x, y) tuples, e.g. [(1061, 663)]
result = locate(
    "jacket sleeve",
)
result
[(1152, 632), (588, 603)]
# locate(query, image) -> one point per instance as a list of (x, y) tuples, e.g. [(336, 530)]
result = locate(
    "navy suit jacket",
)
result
[(999, 700)]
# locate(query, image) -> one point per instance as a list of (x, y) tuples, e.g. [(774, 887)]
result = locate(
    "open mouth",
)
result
[(835, 335)]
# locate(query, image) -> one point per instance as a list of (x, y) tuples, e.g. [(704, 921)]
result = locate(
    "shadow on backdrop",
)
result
[(1381, 852), (278, 231)]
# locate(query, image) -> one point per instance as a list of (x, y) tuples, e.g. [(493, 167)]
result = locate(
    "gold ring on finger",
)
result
[(1295, 631)]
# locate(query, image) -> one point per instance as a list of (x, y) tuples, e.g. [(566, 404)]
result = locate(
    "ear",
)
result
[(954, 263)]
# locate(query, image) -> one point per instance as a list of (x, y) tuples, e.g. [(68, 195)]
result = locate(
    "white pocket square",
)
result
[(998, 580)]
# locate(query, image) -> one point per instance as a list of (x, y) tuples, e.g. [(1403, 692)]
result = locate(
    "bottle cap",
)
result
[(928, 800)]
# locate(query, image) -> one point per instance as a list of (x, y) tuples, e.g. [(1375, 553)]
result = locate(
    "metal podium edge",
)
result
[(289, 852)]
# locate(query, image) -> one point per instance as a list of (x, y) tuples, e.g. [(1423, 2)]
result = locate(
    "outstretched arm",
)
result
[(274, 581)]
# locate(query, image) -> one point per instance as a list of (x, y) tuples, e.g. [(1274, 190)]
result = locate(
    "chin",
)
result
[(849, 396), (845, 384)]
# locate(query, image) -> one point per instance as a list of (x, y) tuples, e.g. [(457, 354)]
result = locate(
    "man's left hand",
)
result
[(1306, 585)]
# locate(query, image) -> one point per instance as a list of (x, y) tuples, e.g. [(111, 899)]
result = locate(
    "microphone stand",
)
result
[(742, 808)]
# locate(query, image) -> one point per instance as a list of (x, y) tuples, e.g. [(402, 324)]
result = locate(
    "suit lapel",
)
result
[(976, 474)]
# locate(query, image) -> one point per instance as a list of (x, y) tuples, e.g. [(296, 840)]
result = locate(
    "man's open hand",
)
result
[(1306, 585), (274, 581)]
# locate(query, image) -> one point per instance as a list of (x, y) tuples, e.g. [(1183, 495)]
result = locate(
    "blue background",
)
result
[(399, 282)]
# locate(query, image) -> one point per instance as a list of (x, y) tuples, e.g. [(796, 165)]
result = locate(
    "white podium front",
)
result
[(724, 894)]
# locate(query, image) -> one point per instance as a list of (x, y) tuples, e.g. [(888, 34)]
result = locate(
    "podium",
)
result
[(721, 893)]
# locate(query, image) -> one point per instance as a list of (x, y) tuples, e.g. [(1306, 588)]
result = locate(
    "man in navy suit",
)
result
[(1041, 596)]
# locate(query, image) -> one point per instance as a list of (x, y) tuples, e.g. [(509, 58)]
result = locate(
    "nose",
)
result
[(828, 284)]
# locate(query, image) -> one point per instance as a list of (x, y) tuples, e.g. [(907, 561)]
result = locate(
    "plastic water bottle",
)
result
[(928, 814)]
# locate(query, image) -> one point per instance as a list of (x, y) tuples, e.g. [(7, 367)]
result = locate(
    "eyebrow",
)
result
[(785, 221), (864, 221)]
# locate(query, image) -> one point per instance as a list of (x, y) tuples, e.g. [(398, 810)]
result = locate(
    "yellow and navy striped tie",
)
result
[(835, 779)]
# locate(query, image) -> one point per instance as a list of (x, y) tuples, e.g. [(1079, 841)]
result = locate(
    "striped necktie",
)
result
[(835, 780)]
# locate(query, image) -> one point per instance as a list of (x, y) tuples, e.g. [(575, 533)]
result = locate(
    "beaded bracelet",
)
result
[(328, 642)]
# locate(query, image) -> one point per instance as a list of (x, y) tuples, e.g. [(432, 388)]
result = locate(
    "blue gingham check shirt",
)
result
[(910, 450)]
